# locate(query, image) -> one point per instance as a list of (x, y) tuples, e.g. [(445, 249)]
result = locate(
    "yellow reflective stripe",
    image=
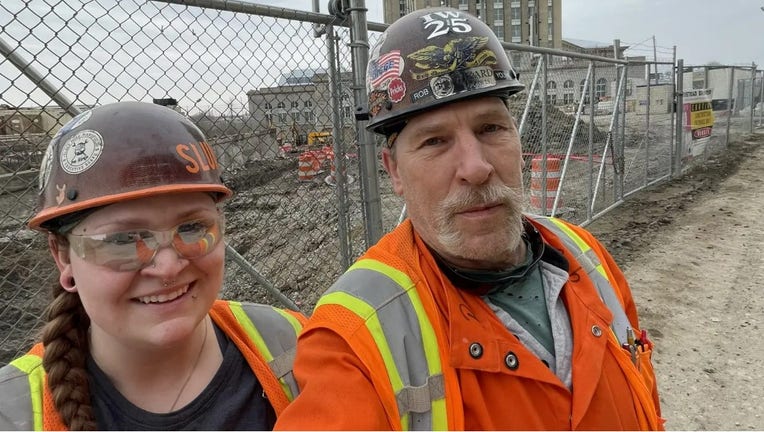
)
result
[(32, 366), (430, 341), (290, 319), (257, 338), (251, 330), (580, 242), (363, 309)]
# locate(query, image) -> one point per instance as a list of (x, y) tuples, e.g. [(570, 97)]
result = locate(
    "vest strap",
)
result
[(281, 365), (419, 399)]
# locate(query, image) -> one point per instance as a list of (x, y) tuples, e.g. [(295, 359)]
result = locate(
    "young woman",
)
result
[(136, 338)]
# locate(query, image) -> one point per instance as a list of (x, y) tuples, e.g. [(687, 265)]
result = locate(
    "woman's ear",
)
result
[(60, 251)]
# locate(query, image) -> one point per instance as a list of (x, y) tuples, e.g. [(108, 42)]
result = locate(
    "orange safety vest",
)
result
[(389, 292), (266, 337)]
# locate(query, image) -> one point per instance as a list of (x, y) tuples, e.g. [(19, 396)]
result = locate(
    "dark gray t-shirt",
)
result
[(234, 400)]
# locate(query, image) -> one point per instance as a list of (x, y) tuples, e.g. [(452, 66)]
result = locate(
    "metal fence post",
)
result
[(544, 144), (36, 77), (761, 97), (679, 104), (753, 92), (359, 44), (339, 151), (672, 144), (729, 112), (592, 186)]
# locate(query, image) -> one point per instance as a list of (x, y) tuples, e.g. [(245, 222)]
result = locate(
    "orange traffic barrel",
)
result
[(307, 166), (539, 184)]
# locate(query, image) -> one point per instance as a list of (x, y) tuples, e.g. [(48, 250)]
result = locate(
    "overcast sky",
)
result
[(724, 31)]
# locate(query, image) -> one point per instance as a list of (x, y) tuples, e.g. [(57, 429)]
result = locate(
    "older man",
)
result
[(470, 314)]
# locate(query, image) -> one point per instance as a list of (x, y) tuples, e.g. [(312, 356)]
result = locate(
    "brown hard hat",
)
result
[(123, 151), (431, 57)]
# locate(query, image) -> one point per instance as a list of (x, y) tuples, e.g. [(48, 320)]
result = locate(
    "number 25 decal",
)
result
[(444, 22)]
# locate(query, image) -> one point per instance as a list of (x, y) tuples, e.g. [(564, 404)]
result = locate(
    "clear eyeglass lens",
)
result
[(135, 249)]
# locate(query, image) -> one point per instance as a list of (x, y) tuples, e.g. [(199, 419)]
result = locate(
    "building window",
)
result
[(498, 6), (567, 98), (601, 89), (568, 84), (282, 112), (629, 87), (551, 99), (551, 85), (499, 30), (345, 102), (515, 13), (310, 116), (268, 108), (516, 31)]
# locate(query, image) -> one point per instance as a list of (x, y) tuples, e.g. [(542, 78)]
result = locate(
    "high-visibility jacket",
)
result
[(265, 335), (394, 345)]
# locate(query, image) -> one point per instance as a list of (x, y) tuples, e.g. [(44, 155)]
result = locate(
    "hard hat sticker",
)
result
[(396, 89), (81, 151), (463, 53), (442, 23), (75, 122), (45, 166), (385, 68)]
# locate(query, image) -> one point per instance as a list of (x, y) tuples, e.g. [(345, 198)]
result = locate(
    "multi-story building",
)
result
[(532, 22), (300, 104)]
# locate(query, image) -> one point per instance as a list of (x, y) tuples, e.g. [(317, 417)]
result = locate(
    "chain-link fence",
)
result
[(275, 90)]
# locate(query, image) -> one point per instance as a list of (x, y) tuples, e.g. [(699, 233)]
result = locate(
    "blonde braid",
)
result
[(66, 348)]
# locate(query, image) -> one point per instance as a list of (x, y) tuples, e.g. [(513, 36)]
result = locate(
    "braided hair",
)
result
[(65, 338)]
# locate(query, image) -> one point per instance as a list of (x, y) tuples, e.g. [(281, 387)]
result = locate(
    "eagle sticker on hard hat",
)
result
[(463, 53), (81, 151)]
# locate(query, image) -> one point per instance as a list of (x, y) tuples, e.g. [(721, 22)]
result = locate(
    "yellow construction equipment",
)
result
[(319, 138)]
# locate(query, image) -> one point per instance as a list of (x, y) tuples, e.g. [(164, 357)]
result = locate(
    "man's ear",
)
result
[(391, 166), (60, 252)]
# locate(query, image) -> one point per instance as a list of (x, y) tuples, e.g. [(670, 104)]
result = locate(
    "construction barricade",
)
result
[(545, 185)]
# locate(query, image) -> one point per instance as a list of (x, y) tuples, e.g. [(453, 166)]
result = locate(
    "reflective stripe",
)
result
[(21, 390), (395, 317), (589, 260), (277, 345)]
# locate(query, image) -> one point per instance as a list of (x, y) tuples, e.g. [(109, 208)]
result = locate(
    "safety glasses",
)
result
[(135, 249)]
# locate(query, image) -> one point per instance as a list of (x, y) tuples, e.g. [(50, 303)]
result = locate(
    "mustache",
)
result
[(485, 195)]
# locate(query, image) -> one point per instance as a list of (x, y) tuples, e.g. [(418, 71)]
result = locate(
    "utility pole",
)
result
[(655, 59)]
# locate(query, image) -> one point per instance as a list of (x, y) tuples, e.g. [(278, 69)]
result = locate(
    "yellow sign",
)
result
[(699, 119)]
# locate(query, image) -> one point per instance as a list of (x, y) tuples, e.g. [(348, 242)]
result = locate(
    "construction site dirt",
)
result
[(692, 250)]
